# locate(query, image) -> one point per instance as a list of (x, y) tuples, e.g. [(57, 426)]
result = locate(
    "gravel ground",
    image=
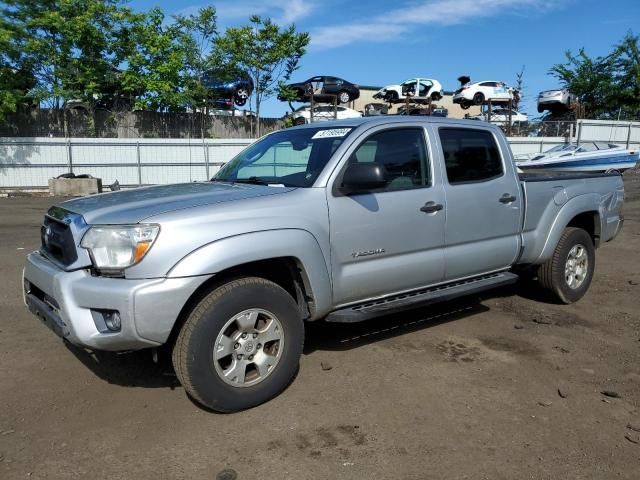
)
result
[(503, 386)]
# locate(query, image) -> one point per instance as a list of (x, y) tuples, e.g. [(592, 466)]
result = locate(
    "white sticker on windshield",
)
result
[(332, 132)]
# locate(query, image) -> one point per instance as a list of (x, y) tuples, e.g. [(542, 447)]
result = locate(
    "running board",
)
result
[(418, 298)]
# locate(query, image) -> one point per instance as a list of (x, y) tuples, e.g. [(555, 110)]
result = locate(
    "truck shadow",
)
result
[(129, 369), (137, 369), (346, 336)]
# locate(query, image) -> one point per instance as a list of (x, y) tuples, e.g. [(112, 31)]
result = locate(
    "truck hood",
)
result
[(133, 206)]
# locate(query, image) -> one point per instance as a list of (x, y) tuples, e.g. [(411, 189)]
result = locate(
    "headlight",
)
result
[(115, 247)]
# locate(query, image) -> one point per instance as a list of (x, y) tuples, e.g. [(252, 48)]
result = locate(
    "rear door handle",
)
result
[(431, 207), (507, 198)]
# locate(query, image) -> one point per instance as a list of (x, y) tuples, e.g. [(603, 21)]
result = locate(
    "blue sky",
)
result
[(379, 42)]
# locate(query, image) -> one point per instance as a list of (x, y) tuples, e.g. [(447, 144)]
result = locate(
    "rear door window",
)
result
[(470, 155)]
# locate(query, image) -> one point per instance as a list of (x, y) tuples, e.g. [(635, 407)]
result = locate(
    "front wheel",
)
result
[(343, 96), (568, 273), (240, 345), (241, 96), (391, 97)]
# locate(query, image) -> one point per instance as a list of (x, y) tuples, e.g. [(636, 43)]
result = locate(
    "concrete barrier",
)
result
[(74, 187)]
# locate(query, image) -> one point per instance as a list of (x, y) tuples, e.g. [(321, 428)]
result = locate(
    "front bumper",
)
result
[(68, 303)]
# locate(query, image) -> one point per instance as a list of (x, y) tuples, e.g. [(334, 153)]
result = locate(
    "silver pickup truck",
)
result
[(340, 221)]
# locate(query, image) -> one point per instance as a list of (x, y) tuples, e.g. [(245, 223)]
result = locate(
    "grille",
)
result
[(57, 241)]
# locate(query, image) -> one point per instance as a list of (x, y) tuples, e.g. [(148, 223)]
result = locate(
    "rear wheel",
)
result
[(568, 273), (240, 346), (299, 121), (478, 99)]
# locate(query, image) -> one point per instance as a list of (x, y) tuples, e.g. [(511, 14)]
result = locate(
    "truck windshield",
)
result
[(293, 158)]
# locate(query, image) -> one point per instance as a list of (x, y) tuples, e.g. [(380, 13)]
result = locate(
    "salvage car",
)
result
[(436, 112), (338, 222), (376, 109), (225, 88), (417, 89), (324, 85), (480, 92), (323, 113), (556, 100), (500, 116)]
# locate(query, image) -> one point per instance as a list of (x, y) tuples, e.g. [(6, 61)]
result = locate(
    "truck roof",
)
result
[(390, 119)]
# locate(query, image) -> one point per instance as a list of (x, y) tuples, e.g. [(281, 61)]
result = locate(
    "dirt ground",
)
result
[(503, 386)]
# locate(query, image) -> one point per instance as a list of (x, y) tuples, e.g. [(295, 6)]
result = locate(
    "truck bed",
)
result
[(554, 176), (547, 196)]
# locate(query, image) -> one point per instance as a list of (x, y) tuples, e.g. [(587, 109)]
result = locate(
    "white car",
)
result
[(323, 113), (500, 116), (426, 88), (554, 100), (480, 92), (232, 113)]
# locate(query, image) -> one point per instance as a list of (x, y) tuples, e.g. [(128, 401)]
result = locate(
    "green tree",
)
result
[(268, 53), (73, 47), (16, 76), (625, 61), (154, 73), (287, 94), (607, 86), (198, 34)]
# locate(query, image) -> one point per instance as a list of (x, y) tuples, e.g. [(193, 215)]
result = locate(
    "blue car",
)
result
[(229, 89)]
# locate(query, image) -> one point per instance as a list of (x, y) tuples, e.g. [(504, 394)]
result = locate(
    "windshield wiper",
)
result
[(251, 180)]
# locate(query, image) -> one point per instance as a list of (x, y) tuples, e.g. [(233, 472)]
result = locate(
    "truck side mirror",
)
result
[(362, 177)]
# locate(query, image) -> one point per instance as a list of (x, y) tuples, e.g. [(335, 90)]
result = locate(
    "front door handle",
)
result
[(431, 207), (507, 198)]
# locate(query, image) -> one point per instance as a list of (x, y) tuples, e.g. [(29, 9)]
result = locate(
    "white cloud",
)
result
[(399, 21), (280, 11)]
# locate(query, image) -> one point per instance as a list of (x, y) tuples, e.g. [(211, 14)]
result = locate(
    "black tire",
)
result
[(391, 97), (551, 274), (344, 96), (540, 109), (478, 99), (193, 353), (435, 96), (241, 96), (464, 106), (299, 121)]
